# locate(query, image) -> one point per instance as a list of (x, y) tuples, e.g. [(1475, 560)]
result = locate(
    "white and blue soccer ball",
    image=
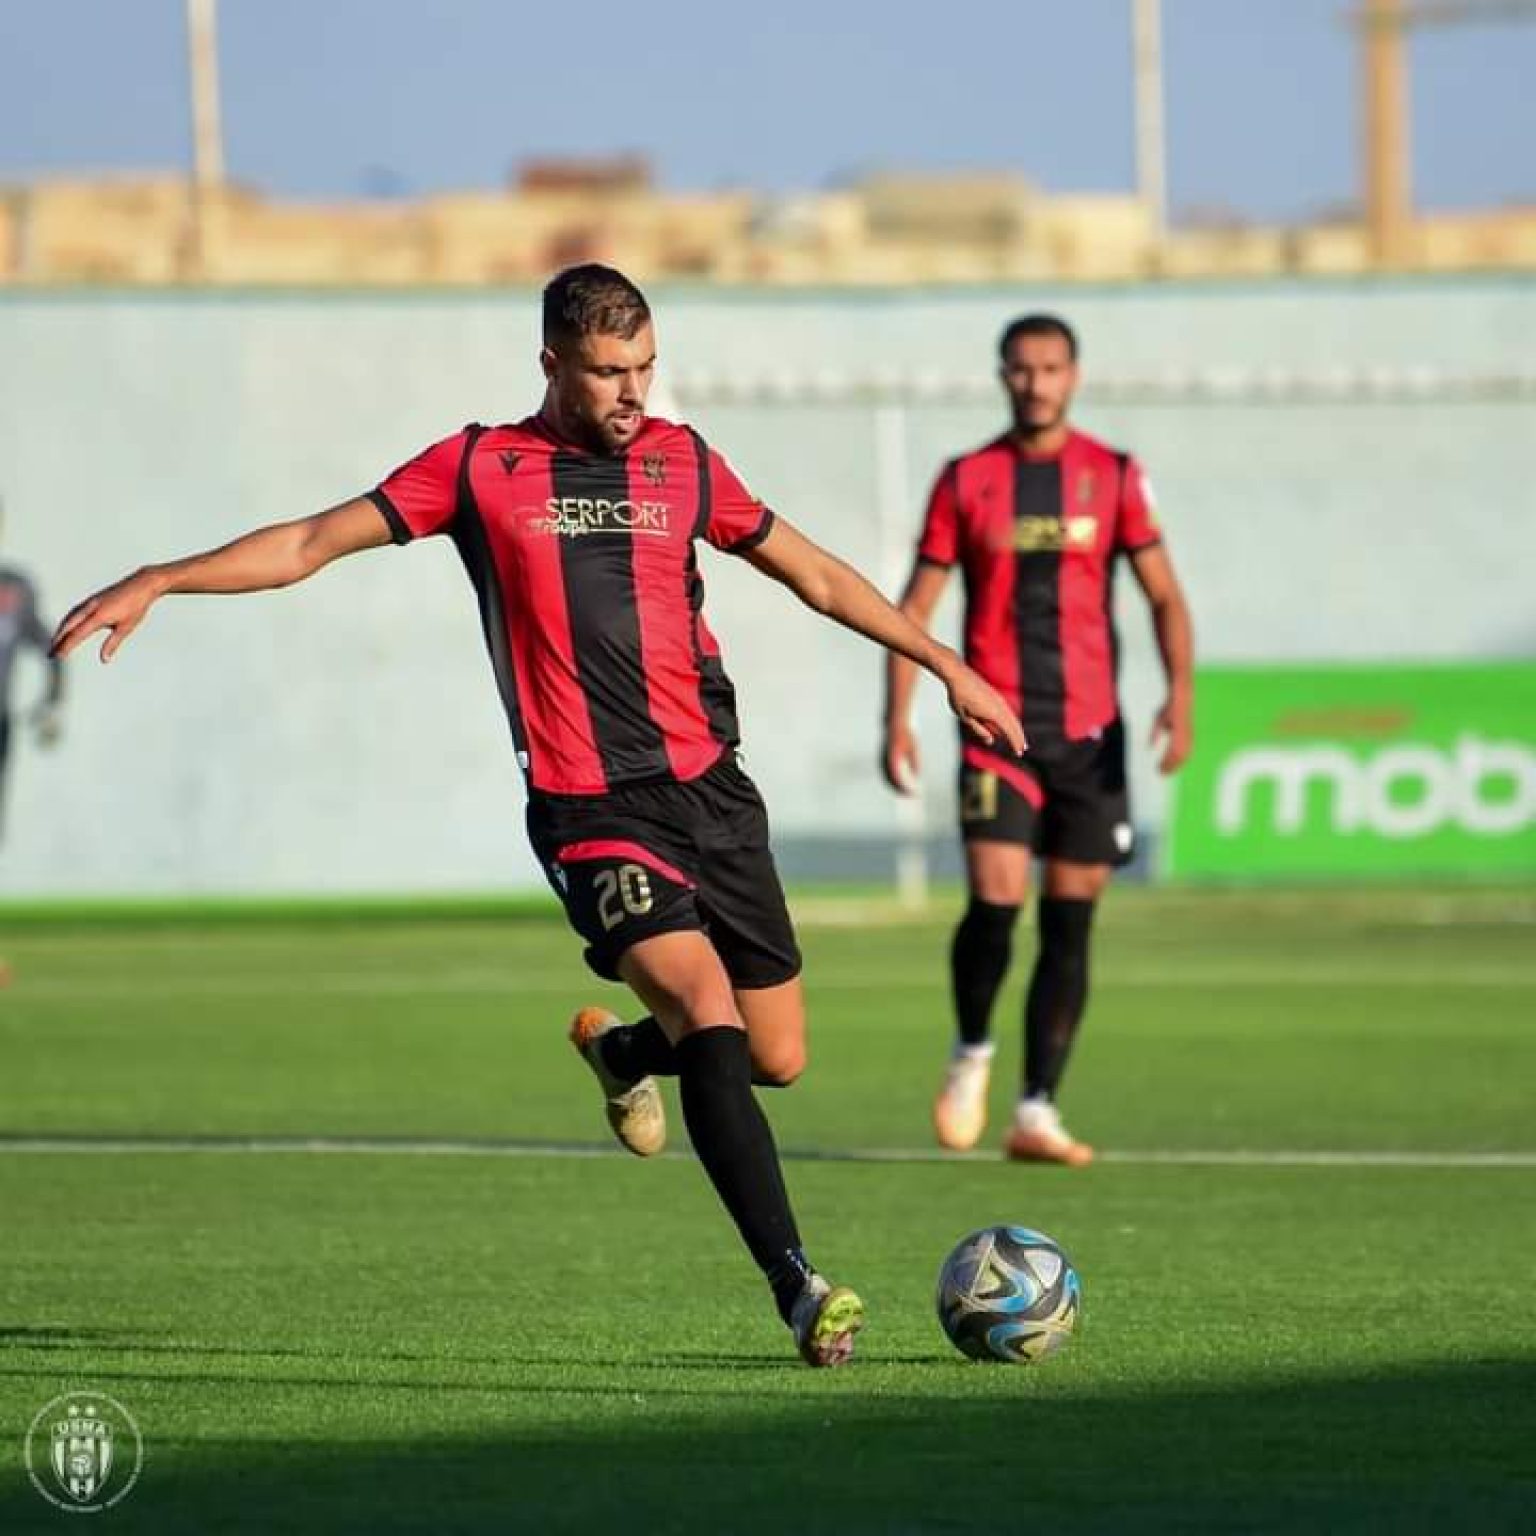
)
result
[(1008, 1294)]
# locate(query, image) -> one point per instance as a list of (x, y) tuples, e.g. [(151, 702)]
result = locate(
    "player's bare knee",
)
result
[(779, 1065), (1076, 882), (998, 873)]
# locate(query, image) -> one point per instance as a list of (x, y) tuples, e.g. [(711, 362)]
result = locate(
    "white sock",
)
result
[(983, 1052), (1034, 1111)]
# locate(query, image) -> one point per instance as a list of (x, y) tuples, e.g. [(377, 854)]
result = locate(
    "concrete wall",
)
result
[(345, 735)]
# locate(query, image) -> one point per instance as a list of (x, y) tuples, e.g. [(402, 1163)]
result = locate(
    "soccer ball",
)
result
[(1008, 1294)]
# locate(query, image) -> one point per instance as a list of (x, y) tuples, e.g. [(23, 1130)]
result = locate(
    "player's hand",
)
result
[(983, 710), (119, 609), (46, 724), (1173, 733), (900, 761)]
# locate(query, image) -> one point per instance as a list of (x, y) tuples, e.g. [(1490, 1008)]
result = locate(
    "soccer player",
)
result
[(1037, 520), (21, 628), (578, 526)]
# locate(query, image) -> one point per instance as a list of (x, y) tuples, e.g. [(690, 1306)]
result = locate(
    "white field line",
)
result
[(363, 1146)]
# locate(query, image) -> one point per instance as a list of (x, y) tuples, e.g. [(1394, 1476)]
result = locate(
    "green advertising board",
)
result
[(1358, 770)]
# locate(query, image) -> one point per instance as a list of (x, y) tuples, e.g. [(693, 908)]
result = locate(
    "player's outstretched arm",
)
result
[(1173, 727), (277, 556), (900, 760), (832, 586)]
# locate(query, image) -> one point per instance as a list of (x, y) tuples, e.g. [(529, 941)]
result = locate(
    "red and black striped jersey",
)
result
[(589, 589), (1037, 539)]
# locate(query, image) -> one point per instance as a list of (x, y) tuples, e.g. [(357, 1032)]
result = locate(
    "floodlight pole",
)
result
[(1151, 147), (1388, 191), (207, 135), (1386, 159)]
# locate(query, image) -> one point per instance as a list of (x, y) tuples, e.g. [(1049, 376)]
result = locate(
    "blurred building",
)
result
[(885, 229)]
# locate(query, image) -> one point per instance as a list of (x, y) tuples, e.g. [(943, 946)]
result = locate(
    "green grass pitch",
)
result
[(447, 1317)]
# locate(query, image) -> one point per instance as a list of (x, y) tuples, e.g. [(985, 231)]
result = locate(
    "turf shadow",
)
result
[(1407, 1451)]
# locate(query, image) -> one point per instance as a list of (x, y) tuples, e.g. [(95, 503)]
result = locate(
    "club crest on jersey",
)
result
[(655, 467)]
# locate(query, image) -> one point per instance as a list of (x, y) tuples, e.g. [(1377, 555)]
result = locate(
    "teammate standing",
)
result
[(577, 526), (1037, 520), (21, 627)]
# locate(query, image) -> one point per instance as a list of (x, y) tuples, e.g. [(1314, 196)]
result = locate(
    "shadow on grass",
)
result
[(1410, 1451), (130, 1342)]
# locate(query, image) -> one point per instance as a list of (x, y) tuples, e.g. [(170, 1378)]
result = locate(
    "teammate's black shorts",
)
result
[(1064, 799), (661, 857)]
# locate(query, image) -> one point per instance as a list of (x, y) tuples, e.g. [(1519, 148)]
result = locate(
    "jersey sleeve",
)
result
[(939, 543), (736, 521), (421, 496), (1138, 511)]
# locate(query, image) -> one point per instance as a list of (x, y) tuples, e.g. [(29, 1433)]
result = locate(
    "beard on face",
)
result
[(616, 434), (601, 433), (1037, 415)]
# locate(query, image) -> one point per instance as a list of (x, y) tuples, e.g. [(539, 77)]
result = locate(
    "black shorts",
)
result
[(665, 857), (1064, 799)]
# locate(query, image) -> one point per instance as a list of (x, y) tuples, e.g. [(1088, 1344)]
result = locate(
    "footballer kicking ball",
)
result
[(1008, 1294)]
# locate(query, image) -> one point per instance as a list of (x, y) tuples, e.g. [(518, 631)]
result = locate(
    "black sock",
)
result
[(731, 1138), (1058, 992), (978, 961), (633, 1051)]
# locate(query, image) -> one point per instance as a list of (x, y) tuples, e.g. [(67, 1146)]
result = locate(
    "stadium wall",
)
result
[(1345, 471)]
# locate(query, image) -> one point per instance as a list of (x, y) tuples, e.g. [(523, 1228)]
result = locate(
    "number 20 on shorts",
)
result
[(623, 891)]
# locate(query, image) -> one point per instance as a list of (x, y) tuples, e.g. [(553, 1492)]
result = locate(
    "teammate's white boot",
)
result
[(960, 1110), (1038, 1136)]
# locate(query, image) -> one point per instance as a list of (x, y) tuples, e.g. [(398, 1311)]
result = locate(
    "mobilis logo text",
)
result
[(1407, 790)]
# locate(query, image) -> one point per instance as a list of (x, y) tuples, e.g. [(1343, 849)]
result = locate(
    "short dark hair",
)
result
[(592, 300), (1037, 325)]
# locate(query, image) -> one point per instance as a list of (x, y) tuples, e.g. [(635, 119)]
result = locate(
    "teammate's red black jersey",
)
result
[(590, 593), (1037, 540)]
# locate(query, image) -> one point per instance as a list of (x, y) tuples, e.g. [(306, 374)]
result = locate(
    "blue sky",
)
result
[(334, 98)]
